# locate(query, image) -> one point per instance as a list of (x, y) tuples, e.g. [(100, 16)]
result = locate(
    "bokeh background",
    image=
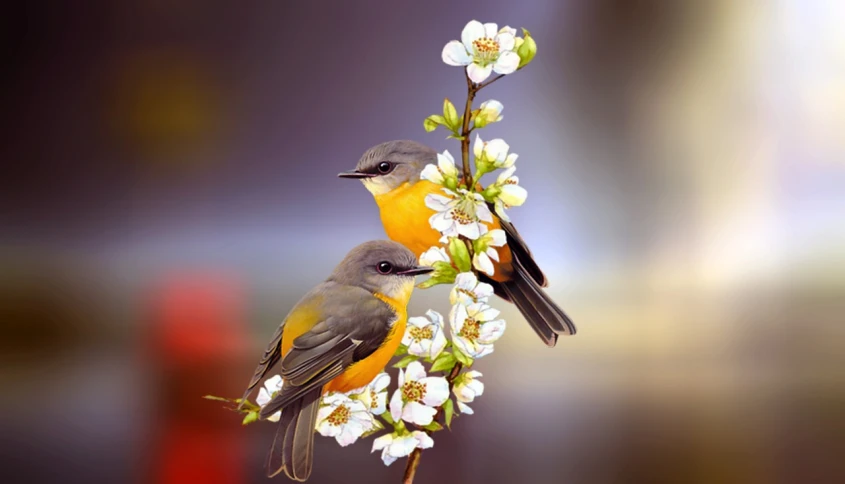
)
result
[(168, 192)]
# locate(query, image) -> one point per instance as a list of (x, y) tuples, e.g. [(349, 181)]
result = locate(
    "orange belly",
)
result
[(405, 219)]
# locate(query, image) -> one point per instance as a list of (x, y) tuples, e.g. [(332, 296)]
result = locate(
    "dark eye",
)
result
[(384, 267), (385, 167)]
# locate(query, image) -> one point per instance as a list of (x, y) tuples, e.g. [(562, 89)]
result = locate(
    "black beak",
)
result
[(354, 174), (416, 271)]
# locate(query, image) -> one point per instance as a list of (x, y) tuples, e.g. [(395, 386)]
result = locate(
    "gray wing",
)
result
[(354, 324), (520, 250)]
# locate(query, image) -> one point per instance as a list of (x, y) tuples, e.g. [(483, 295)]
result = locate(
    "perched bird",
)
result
[(391, 172), (338, 337)]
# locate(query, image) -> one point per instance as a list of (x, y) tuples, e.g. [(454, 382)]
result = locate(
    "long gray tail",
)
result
[(293, 447), (544, 316)]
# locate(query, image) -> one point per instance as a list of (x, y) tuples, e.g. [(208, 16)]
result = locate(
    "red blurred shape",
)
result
[(197, 341)]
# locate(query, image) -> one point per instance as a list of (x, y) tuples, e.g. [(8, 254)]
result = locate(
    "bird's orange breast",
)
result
[(405, 219)]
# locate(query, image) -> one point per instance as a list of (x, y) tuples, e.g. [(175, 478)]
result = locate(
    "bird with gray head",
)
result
[(391, 172), (337, 338)]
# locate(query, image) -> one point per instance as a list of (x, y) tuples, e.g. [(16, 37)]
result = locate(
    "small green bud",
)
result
[(527, 49), (450, 114), (459, 253)]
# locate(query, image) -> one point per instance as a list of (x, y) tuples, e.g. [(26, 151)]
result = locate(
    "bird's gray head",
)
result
[(387, 166), (380, 266)]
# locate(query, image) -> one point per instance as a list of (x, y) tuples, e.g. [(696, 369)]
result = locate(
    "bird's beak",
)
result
[(416, 271), (354, 174)]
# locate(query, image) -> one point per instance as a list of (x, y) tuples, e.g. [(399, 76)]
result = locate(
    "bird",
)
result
[(391, 173), (338, 337)]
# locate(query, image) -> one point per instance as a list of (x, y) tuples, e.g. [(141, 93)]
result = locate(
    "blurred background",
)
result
[(168, 193)]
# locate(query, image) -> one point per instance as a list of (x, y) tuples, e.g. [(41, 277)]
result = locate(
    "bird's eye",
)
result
[(384, 267), (385, 167)]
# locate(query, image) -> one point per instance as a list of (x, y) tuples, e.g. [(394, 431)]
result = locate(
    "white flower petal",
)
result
[(483, 213), (492, 253), (418, 414), (483, 312), (436, 391), (479, 74), (432, 174), (381, 404), (438, 343), (432, 255), (402, 446), (496, 149), (414, 371), (509, 161), (437, 203), (506, 41), (382, 442), (387, 458), (263, 397), (490, 30), (274, 383), (435, 318), (441, 221), (472, 31), (482, 262), (471, 230), (275, 417), (506, 63), (513, 195), (396, 405), (349, 433), (491, 331), (508, 29), (464, 408), (455, 54), (498, 237), (424, 440), (500, 210), (446, 163)]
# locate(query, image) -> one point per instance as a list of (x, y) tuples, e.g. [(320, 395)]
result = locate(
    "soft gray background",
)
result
[(169, 169)]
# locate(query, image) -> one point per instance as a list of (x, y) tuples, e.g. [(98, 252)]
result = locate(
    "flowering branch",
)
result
[(435, 365)]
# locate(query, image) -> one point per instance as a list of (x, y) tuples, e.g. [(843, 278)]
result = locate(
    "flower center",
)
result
[(373, 399), (421, 333), (470, 329), (339, 416), (461, 216), (413, 391), (485, 49)]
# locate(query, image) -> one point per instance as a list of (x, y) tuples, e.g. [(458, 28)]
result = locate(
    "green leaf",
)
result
[(450, 114), (464, 359), (433, 426), (405, 361), (445, 362), (449, 412), (401, 350), (460, 254), (426, 284), (432, 122), (250, 417)]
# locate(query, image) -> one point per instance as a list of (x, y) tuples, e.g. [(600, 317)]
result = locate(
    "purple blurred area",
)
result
[(168, 192)]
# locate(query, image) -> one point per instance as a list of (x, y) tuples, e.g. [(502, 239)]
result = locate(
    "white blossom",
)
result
[(460, 213), (424, 336), (490, 111), (374, 395), (343, 418), (434, 254), (266, 393), (493, 152), (393, 446), (417, 395), (483, 49), (444, 173), (474, 328), (485, 250), (508, 192), (468, 290), (466, 388)]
